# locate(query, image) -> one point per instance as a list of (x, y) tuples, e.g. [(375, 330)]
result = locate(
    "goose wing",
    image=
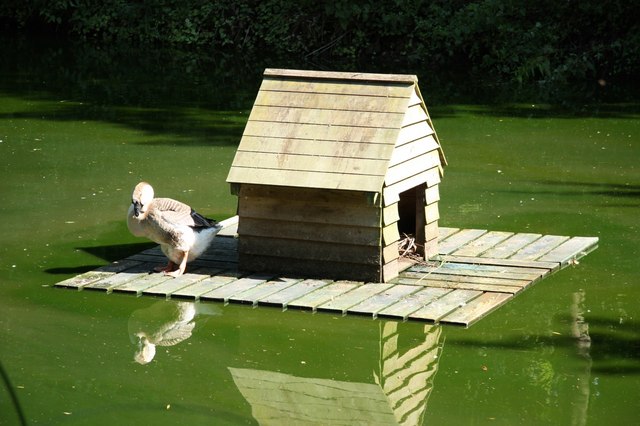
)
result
[(178, 213)]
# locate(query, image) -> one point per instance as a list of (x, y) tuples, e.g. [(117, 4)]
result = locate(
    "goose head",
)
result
[(141, 198)]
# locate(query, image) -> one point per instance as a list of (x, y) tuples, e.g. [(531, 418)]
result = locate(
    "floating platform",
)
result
[(476, 272)]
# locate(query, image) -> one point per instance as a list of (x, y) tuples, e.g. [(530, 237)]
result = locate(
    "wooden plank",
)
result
[(283, 114), (570, 250), (415, 114), (338, 102), (80, 281), (455, 241), (550, 266), (322, 232), (316, 196), (411, 167), (432, 195), (472, 268), (411, 303), (322, 295), (121, 278), (390, 234), (390, 214), (408, 79), (511, 245), (443, 306), (311, 163), (168, 287), (444, 232), (308, 212), (464, 283), (289, 294), (391, 193), (355, 296), (137, 286), (482, 244), (255, 294), (364, 150), (413, 132), (206, 285), (477, 308), (539, 247), (413, 149), (306, 179), (224, 293), (311, 250), (382, 300)]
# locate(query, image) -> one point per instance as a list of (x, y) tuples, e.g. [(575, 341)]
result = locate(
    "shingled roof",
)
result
[(331, 130)]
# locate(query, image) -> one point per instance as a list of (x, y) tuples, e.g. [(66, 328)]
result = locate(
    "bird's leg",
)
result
[(170, 267), (181, 267)]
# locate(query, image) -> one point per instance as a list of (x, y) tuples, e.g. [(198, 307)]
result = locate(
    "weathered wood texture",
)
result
[(450, 288)]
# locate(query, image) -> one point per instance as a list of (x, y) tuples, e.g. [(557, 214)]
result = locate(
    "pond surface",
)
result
[(80, 127)]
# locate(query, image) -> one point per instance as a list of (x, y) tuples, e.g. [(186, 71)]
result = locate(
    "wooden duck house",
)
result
[(332, 171)]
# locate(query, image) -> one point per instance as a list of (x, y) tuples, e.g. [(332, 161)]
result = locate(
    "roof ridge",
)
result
[(336, 75)]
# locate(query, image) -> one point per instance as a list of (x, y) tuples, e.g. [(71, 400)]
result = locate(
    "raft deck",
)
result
[(476, 272)]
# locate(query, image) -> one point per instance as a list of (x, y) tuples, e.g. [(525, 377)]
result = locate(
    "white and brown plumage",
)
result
[(182, 233)]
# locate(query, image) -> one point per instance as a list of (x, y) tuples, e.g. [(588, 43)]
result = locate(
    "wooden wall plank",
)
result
[(305, 211), (390, 214), (415, 114), (413, 132), (305, 231), (413, 149), (411, 167), (316, 196), (391, 193)]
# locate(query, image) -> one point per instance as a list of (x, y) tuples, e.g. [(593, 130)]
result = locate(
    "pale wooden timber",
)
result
[(327, 133), (449, 289)]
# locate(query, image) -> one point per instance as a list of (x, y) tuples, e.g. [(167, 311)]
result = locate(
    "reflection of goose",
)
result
[(182, 233), (165, 323)]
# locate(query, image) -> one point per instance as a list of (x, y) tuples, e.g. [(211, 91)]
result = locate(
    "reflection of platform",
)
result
[(476, 272)]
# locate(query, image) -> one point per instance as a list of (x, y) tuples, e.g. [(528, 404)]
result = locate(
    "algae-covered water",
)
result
[(80, 127)]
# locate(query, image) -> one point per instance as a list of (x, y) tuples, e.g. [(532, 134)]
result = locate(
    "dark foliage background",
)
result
[(546, 41)]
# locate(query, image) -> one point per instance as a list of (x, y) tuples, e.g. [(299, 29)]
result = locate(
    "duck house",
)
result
[(333, 170)]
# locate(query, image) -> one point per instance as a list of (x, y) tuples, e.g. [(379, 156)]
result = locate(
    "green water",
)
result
[(78, 129)]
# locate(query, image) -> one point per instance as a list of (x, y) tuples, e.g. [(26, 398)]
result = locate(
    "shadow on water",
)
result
[(581, 188), (109, 253)]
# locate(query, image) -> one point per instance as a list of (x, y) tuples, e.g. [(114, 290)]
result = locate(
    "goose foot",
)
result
[(170, 267), (180, 268)]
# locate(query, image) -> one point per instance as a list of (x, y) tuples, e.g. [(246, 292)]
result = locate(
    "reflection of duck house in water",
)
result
[(332, 169)]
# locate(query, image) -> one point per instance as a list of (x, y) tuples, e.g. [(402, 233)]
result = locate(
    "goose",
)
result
[(182, 233)]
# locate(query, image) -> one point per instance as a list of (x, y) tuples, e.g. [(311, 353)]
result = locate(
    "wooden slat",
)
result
[(137, 286), (363, 150), (550, 266), (413, 132), (575, 248), (539, 247), (511, 245), (412, 167), (283, 114), (482, 244), (289, 294), (444, 232), (415, 113), (413, 149), (80, 281), (263, 290), (314, 196), (455, 241), (131, 274), (471, 270), (408, 79), (305, 179), (413, 302), (391, 193), (322, 295), (357, 295), (382, 300), (443, 306), (477, 308), (223, 293), (328, 233), (338, 102), (465, 283), (206, 285), (310, 163), (168, 287)]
